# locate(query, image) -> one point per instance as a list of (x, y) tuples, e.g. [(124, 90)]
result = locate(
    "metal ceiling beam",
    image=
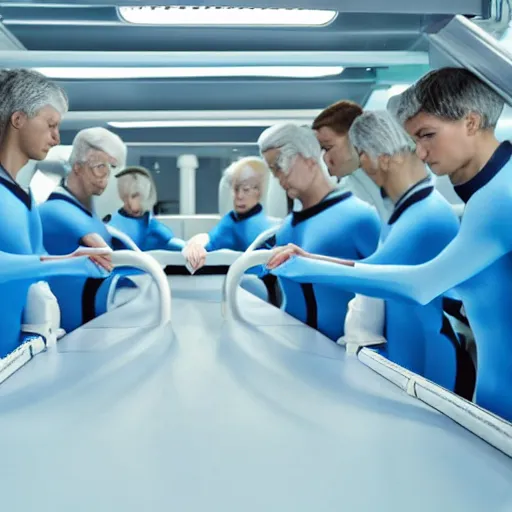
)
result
[(37, 59), (462, 43), (8, 41), (451, 7)]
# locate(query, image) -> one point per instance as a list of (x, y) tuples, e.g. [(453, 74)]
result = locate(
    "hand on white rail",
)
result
[(195, 256), (94, 247)]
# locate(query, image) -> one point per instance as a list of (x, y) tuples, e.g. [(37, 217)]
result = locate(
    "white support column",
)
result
[(187, 164)]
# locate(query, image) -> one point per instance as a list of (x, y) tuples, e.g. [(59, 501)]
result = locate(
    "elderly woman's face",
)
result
[(296, 178), (95, 171), (246, 192), (246, 195), (133, 204)]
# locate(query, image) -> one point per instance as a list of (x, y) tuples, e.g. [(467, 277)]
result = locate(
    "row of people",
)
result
[(32, 110), (451, 115), (399, 179), (335, 223), (377, 162), (417, 224)]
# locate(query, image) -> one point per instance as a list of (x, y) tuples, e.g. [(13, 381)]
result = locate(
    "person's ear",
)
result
[(18, 119), (77, 169), (384, 162), (311, 163), (473, 122)]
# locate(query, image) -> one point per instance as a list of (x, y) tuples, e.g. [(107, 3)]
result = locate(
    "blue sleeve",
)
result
[(480, 242), (222, 235), (367, 234), (412, 241), (64, 220), (14, 267), (159, 235)]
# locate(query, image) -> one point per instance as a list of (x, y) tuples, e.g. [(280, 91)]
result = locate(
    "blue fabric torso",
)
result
[(21, 234), (421, 226), (340, 226), (237, 231), (477, 263), (65, 222), (147, 232)]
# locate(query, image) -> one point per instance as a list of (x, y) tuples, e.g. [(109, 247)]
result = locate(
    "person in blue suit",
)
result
[(365, 320), (69, 220), (419, 338), (242, 225), (137, 190), (331, 222), (453, 116), (30, 113)]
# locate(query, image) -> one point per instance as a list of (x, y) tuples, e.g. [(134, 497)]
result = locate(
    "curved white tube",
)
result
[(263, 237), (234, 276), (150, 265), (123, 237)]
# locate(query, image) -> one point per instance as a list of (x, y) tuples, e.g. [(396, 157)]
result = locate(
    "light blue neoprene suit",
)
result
[(477, 263)]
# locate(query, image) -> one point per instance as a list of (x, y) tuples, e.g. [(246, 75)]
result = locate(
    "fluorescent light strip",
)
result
[(218, 72), (191, 144), (100, 116), (218, 16), (214, 123)]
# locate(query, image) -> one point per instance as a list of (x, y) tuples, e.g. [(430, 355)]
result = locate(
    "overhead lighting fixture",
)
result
[(227, 16), (212, 123), (203, 72)]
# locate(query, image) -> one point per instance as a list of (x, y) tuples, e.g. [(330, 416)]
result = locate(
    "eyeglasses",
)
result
[(244, 189), (100, 169)]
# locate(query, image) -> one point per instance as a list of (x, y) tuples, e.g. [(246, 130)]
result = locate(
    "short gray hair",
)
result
[(27, 91), (401, 105), (451, 94), (291, 140), (378, 133), (99, 139)]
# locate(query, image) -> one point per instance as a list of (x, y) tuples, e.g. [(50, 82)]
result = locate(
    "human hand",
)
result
[(102, 258), (195, 254), (282, 254)]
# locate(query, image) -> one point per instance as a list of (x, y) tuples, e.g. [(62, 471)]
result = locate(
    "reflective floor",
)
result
[(216, 415)]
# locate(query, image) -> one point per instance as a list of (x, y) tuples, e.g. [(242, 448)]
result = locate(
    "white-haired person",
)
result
[(332, 222), (241, 226), (137, 190), (31, 110), (69, 221), (419, 338), (452, 116)]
